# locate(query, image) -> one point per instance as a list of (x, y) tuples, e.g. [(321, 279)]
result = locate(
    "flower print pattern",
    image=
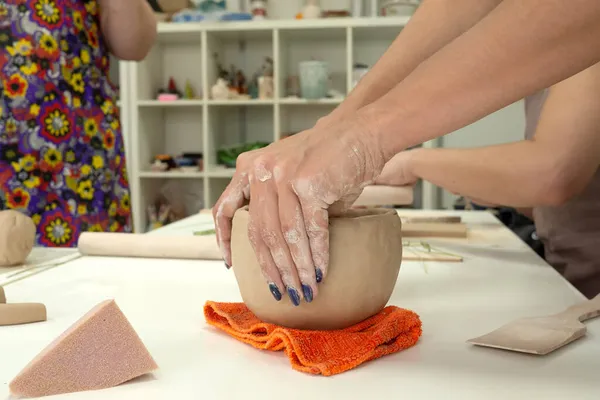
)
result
[(62, 158)]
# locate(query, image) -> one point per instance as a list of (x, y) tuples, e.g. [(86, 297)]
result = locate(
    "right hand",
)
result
[(292, 186), (397, 171)]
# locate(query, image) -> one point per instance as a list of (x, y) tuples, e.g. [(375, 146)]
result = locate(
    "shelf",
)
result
[(174, 103), (220, 173), (301, 101), (252, 102), (282, 24), (215, 173)]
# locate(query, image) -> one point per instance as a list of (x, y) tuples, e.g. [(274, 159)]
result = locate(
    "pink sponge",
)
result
[(99, 351)]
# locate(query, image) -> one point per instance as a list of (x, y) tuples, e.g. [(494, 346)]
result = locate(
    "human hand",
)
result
[(398, 171), (291, 186)]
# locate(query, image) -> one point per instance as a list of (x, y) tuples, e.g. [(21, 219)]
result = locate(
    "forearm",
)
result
[(434, 24), (518, 48), (520, 174), (129, 27)]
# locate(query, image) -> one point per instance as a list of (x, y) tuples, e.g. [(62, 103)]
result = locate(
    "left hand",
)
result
[(398, 171), (292, 185)]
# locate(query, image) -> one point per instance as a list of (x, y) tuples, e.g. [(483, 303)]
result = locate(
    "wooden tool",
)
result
[(426, 229), (542, 335), (22, 313), (2, 296), (377, 195)]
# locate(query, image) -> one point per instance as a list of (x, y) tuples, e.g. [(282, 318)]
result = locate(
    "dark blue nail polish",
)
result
[(319, 275), (294, 297), (308, 293), (227, 265), (275, 291)]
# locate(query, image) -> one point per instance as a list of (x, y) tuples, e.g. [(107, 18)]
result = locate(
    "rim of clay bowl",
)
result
[(359, 213), (353, 213)]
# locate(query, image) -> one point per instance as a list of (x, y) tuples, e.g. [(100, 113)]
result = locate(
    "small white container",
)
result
[(399, 8)]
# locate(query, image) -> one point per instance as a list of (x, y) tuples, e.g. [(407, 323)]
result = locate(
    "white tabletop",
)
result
[(500, 279)]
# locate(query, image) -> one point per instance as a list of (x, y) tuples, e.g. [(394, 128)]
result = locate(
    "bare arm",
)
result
[(556, 165), (129, 27), (518, 48), (435, 24)]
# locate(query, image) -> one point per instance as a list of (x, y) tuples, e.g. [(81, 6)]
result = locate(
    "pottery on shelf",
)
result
[(311, 9), (365, 258), (265, 87), (220, 90), (314, 79)]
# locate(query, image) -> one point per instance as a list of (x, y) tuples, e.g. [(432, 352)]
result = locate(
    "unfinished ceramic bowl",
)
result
[(365, 257)]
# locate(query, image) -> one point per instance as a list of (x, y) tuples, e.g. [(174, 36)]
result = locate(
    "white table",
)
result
[(500, 279)]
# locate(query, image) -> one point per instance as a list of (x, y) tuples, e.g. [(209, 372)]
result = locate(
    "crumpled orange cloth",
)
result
[(320, 352)]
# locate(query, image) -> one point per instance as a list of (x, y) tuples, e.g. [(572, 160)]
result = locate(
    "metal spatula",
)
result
[(542, 335)]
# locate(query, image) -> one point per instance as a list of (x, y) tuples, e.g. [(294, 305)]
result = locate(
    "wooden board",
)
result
[(448, 219), (408, 255), (426, 229)]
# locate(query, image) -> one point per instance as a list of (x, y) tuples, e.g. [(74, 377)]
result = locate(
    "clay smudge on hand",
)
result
[(262, 173)]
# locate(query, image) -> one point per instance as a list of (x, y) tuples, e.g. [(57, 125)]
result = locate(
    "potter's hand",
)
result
[(292, 184), (398, 171)]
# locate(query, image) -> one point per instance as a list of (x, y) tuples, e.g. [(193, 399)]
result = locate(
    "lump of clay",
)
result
[(365, 256), (17, 237)]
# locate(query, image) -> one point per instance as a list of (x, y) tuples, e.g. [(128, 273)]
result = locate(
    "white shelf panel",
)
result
[(282, 24), (174, 103), (255, 102), (220, 173), (301, 101), (172, 174)]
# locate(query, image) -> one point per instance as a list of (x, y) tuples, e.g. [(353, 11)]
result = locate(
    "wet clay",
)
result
[(17, 237), (22, 313), (365, 257), (2, 296)]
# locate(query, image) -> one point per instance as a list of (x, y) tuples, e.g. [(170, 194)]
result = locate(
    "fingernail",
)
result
[(275, 291), (227, 265), (319, 275), (294, 296), (308, 293)]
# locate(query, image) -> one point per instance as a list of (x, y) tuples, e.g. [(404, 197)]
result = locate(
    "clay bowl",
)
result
[(365, 257)]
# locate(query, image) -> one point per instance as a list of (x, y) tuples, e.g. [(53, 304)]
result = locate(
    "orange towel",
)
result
[(320, 352)]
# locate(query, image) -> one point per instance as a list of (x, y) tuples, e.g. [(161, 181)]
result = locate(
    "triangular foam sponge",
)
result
[(99, 351)]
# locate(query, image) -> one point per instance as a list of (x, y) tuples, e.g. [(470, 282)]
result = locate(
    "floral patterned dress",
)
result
[(62, 158)]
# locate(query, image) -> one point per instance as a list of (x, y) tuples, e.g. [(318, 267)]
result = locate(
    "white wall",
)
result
[(506, 125)]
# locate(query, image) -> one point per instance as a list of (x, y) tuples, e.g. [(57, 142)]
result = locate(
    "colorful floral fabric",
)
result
[(62, 158)]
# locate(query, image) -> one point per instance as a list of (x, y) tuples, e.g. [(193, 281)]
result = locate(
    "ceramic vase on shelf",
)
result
[(314, 77), (311, 9), (265, 87)]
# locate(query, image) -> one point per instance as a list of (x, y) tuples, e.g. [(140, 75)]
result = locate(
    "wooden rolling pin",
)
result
[(22, 313), (149, 246), (378, 195)]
